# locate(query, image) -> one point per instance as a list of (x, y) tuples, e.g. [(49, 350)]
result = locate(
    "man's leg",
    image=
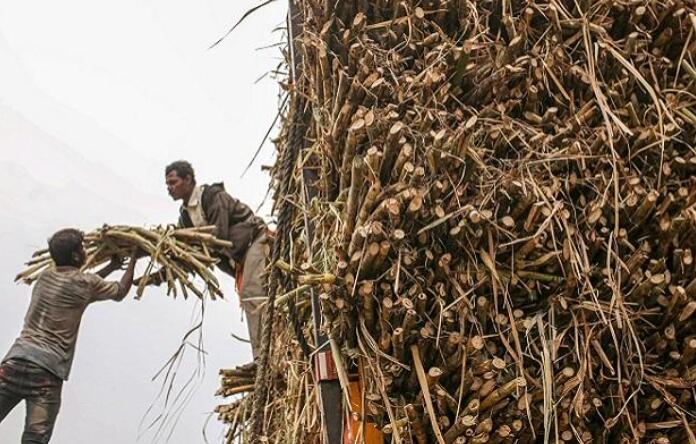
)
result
[(254, 290), (41, 418), (7, 403), (42, 409), (8, 399)]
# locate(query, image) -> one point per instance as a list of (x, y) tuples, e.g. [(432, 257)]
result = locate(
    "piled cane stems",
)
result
[(507, 211), (176, 254)]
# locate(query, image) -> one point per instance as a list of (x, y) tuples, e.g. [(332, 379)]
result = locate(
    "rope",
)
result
[(278, 280), (281, 248)]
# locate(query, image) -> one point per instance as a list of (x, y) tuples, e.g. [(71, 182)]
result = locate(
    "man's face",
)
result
[(177, 187)]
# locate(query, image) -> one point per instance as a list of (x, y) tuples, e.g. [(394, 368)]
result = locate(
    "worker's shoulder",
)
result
[(214, 188), (211, 191), (66, 278)]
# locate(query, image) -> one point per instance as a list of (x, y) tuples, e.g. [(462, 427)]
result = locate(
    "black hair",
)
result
[(183, 169), (63, 244)]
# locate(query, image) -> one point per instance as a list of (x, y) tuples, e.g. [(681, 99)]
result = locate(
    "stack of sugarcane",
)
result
[(176, 254), (237, 381), (504, 196)]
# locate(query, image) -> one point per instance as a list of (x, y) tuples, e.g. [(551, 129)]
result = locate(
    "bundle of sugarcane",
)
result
[(237, 414), (505, 197), (175, 254), (236, 381), (291, 413)]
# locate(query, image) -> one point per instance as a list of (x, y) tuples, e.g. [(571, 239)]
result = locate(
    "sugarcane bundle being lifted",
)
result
[(177, 255), (505, 196)]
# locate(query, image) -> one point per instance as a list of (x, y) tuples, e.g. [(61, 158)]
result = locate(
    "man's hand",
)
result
[(116, 262), (155, 279)]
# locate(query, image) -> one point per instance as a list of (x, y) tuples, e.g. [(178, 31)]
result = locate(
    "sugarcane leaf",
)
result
[(239, 22)]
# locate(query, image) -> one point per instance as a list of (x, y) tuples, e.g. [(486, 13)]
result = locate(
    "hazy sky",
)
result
[(95, 98)]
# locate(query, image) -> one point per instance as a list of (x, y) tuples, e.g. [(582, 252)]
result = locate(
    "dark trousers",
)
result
[(40, 389)]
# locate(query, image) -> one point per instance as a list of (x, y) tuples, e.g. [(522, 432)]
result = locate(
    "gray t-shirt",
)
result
[(58, 301)]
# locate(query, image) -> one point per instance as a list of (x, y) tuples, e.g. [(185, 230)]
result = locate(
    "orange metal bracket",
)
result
[(357, 431)]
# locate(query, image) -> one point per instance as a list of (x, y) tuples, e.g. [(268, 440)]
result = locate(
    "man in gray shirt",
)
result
[(40, 359)]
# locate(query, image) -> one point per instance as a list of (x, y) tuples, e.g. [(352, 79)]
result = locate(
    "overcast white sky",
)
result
[(95, 98)]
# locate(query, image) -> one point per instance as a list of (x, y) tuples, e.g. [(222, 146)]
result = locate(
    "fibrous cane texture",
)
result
[(505, 218), (178, 253)]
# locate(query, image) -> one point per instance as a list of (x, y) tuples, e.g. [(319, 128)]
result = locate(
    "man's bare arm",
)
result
[(112, 290)]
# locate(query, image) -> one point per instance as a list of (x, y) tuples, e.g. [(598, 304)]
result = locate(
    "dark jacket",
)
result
[(234, 220)]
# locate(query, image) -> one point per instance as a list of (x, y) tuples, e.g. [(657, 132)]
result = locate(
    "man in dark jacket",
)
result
[(40, 359), (246, 260)]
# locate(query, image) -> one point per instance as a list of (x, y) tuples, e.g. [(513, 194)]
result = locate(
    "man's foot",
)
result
[(248, 367)]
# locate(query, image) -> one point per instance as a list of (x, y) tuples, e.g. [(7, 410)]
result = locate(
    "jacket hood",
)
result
[(216, 187), (212, 190)]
